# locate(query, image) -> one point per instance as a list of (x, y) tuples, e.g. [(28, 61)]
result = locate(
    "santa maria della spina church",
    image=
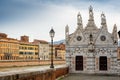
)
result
[(92, 49)]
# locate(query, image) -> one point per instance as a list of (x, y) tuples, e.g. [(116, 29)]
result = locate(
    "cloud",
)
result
[(36, 17)]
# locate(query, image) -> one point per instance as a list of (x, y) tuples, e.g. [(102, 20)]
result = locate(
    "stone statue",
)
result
[(103, 19), (91, 13), (79, 19)]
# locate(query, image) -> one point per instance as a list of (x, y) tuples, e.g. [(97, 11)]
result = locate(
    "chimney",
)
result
[(25, 38)]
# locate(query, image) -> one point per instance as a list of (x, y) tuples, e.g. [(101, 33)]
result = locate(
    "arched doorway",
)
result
[(103, 63), (79, 63), (7, 56)]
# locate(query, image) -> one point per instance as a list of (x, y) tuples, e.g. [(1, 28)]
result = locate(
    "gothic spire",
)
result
[(67, 28), (91, 17), (114, 30), (91, 24), (79, 19), (67, 33), (114, 34), (103, 20)]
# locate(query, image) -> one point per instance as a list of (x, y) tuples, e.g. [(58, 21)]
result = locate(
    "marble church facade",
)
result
[(91, 49)]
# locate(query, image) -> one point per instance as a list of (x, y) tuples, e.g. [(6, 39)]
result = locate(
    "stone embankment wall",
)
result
[(28, 63), (49, 74)]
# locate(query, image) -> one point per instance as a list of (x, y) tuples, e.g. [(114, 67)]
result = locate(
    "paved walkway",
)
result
[(89, 77), (18, 70)]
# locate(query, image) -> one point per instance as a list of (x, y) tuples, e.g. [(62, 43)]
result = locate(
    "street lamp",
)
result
[(52, 33)]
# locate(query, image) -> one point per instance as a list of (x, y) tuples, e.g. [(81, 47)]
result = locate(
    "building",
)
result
[(9, 48), (118, 53), (60, 51), (13, 49), (27, 50), (91, 49), (119, 46), (43, 49), (119, 38)]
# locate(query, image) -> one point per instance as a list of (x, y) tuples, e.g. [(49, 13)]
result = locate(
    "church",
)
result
[(91, 49)]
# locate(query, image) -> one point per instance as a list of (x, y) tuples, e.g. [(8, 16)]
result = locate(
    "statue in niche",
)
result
[(91, 38), (91, 13), (79, 19), (91, 44), (103, 19), (91, 47)]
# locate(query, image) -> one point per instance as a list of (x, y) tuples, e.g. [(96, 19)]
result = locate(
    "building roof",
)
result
[(40, 41), (8, 39), (60, 46)]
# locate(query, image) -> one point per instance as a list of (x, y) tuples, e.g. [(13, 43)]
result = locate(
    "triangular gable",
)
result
[(104, 37), (77, 37)]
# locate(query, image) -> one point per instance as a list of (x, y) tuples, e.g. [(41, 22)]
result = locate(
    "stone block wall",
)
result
[(61, 71), (50, 74)]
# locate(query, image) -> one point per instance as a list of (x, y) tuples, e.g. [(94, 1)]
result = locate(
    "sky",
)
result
[(35, 18)]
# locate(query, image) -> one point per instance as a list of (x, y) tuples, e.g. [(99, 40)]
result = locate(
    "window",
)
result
[(36, 53), (21, 53), (103, 38)]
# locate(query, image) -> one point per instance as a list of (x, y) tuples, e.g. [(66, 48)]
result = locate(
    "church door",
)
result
[(103, 63), (79, 62)]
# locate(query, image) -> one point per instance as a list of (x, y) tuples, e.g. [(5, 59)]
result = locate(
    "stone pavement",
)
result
[(89, 77), (18, 70)]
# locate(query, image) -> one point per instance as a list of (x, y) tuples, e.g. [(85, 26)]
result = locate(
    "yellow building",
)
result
[(27, 50), (13, 49), (9, 48)]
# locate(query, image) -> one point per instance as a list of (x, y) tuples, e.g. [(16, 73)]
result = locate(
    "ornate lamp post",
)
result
[(52, 33)]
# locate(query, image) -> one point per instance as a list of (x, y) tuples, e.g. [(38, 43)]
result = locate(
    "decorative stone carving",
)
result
[(91, 13), (103, 19), (79, 19), (92, 43)]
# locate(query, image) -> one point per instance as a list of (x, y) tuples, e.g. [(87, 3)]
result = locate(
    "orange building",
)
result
[(13, 49), (60, 51), (9, 48)]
